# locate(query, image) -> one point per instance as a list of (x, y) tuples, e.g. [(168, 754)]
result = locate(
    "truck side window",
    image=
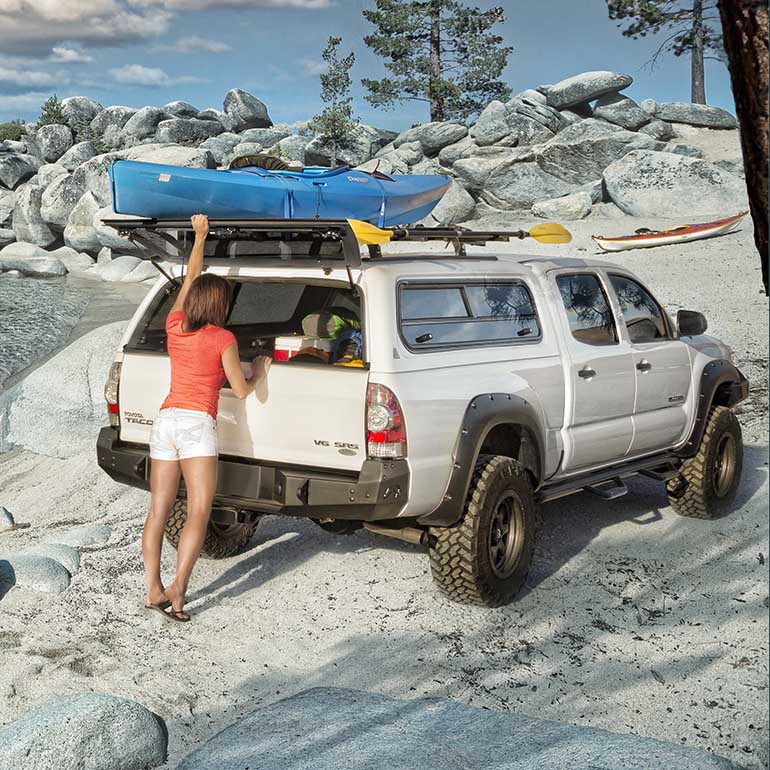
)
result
[(642, 314), (588, 312), (470, 314)]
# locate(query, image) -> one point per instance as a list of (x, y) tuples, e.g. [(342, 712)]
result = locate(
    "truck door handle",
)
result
[(644, 365), (587, 373)]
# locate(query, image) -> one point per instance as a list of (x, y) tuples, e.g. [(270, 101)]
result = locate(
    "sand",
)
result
[(634, 619)]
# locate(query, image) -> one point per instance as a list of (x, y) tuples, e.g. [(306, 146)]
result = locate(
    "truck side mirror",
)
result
[(691, 323)]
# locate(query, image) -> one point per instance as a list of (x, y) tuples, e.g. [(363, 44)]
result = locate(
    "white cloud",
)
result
[(195, 44), (139, 75), (68, 55), (26, 102), (312, 66), (23, 77), (198, 5)]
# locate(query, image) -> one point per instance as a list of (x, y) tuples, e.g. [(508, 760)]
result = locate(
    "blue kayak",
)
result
[(173, 192)]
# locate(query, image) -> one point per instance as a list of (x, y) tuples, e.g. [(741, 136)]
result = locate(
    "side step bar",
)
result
[(658, 468)]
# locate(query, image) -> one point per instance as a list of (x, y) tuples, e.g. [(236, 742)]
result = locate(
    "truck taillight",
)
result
[(385, 427), (111, 394)]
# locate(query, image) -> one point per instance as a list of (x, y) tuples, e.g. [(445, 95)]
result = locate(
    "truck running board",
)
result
[(660, 468)]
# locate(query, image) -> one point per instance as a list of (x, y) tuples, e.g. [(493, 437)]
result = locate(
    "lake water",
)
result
[(36, 316)]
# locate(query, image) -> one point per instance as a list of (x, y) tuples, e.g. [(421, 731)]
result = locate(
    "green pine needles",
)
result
[(336, 122), (441, 52)]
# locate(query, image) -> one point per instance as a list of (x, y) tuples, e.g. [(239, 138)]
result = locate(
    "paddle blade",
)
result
[(550, 232), (367, 234)]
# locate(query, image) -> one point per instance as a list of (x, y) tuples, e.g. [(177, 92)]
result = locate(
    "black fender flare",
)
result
[(485, 412), (717, 374)]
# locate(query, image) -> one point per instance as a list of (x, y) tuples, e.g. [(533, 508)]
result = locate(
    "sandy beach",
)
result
[(634, 619)]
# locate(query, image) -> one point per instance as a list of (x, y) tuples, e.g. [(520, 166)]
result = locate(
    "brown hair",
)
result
[(207, 302)]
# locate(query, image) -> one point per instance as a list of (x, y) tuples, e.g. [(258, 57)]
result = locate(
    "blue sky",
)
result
[(138, 52)]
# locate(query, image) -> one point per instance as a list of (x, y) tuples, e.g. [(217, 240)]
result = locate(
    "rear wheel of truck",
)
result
[(222, 540), (707, 483), (484, 559)]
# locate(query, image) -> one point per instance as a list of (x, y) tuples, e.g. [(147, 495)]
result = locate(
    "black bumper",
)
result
[(378, 492)]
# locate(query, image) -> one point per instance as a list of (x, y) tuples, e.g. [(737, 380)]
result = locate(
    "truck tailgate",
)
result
[(301, 415)]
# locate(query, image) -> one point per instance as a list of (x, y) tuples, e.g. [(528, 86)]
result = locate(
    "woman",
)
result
[(184, 435)]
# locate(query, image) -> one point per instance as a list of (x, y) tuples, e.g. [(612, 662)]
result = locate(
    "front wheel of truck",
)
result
[(222, 540), (484, 559)]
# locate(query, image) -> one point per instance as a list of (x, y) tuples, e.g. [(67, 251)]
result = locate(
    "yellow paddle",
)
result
[(368, 234)]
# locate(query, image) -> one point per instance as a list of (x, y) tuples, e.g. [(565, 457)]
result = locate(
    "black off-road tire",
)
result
[(463, 557), (222, 540), (707, 483)]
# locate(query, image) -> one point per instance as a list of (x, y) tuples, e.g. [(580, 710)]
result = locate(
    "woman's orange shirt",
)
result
[(197, 374)]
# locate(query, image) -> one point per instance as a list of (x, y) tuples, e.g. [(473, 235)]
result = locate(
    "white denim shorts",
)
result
[(178, 434)]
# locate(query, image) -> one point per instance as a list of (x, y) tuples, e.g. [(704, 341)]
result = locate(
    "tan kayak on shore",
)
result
[(644, 238)]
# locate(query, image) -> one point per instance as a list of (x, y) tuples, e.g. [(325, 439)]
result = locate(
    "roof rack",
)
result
[(146, 232)]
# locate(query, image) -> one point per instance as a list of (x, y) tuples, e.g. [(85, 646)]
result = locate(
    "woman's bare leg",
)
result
[(164, 486), (200, 478)]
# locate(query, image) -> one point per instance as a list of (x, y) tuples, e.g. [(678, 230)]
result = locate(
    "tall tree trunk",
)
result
[(698, 78), (436, 99), (744, 26)]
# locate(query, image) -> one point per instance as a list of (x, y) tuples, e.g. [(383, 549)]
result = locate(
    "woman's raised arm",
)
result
[(200, 223)]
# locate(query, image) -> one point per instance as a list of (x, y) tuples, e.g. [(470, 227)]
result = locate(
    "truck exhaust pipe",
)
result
[(407, 534)]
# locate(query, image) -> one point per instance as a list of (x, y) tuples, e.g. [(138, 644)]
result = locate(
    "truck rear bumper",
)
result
[(378, 492)]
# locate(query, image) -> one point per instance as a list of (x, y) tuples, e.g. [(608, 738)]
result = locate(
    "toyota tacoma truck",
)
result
[(480, 387)]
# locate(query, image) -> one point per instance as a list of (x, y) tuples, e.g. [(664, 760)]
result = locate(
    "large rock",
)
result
[(68, 390), (97, 176), (432, 136), (27, 221), (85, 732), (6, 236), (74, 261), (455, 206), (583, 150), (475, 170), (576, 205), (61, 197), (144, 271), (492, 124), (655, 184), (187, 130), (621, 111), (330, 728), (108, 236), (292, 147), (48, 173), (80, 233), (35, 573), (16, 168), (66, 555), (695, 114), (79, 110), (112, 117), (245, 110), (181, 109), (584, 88), (145, 122), (516, 185), (221, 146), (222, 118), (171, 154), (547, 116), (527, 131), (82, 536), (29, 259), (658, 129), (362, 144), (267, 137), (450, 154), (7, 203), (411, 153), (242, 150), (118, 268), (54, 140), (77, 154)]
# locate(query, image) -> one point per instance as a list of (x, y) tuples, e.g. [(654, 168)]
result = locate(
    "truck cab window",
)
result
[(588, 312)]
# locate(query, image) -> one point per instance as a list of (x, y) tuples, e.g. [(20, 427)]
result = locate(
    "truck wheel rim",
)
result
[(724, 465), (505, 536)]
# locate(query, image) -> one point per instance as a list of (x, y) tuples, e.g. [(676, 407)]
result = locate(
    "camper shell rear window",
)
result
[(262, 310)]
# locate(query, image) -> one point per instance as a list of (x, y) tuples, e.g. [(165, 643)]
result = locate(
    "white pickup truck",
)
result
[(484, 387)]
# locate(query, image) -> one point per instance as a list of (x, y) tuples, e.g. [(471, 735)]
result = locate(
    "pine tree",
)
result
[(437, 51), (690, 28), (51, 112), (336, 122)]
